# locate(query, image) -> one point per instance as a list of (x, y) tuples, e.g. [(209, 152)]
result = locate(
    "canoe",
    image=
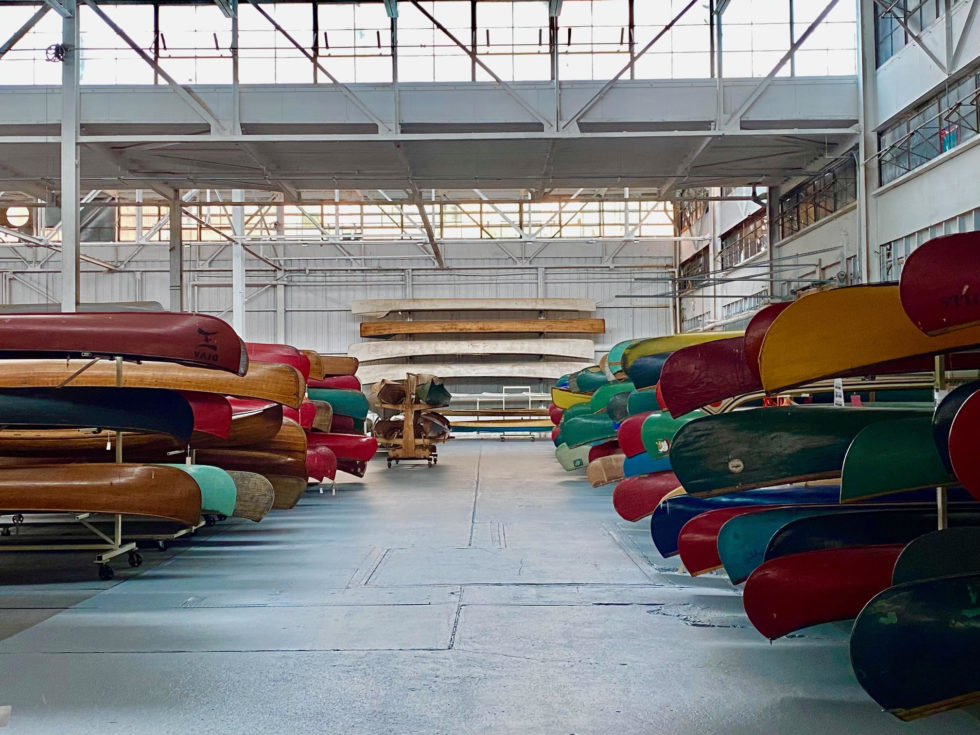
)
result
[(588, 429), (572, 458), (344, 402), (806, 342), (545, 370), (347, 382), (346, 446), (940, 284), (945, 553), (604, 450), (247, 429), (290, 440), (488, 326), (605, 470), (317, 367), (755, 334), (329, 461), (253, 495), (338, 364), (895, 523), (305, 415), (892, 456), (630, 434), (344, 425), (195, 340), (642, 464), (390, 350), (430, 391), (562, 382), (641, 401), (355, 467), (670, 519), (669, 343), (265, 382), (794, 592), (117, 409), (635, 498), (323, 418), (254, 460), (942, 418), (555, 414), (432, 425), (659, 429), (130, 489), (914, 646), (378, 308), (218, 491), (614, 359), (587, 379), (703, 374), (963, 454), (565, 399), (697, 541), (82, 445), (316, 463), (645, 370), (288, 489), (212, 413), (768, 446), (282, 354), (617, 407), (600, 397)]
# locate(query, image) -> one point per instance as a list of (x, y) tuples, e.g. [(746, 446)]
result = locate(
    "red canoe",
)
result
[(343, 425), (697, 543), (629, 435), (637, 497), (964, 438), (321, 463), (702, 374), (792, 592), (196, 340), (940, 284), (284, 354), (346, 382), (755, 333), (352, 467), (345, 446), (212, 413), (603, 450), (555, 414), (304, 416)]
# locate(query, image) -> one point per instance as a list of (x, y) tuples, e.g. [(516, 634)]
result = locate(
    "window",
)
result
[(817, 198), (693, 271), (687, 211), (747, 238), (889, 34)]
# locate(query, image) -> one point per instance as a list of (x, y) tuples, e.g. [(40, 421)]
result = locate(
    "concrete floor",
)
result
[(493, 593)]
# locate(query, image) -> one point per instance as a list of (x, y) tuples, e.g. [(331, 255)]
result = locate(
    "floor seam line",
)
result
[(476, 495)]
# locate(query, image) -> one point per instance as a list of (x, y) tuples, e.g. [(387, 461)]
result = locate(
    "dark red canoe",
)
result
[(793, 592), (702, 374), (755, 333), (346, 382), (284, 354), (352, 467), (630, 436), (697, 542), (196, 340), (964, 440), (940, 284), (604, 450), (212, 413), (321, 463), (555, 414), (345, 446), (637, 497)]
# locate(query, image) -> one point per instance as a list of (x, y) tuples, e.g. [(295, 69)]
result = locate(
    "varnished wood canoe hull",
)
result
[(323, 418), (248, 460), (196, 340), (254, 495), (288, 490), (339, 364), (490, 326), (377, 308), (131, 489), (247, 429), (606, 470), (317, 367), (76, 445)]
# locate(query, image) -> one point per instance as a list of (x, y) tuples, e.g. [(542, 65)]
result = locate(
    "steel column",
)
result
[(176, 255), (238, 266), (70, 184)]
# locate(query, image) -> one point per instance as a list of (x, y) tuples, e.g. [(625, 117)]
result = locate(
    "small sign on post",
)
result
[(838, 392)]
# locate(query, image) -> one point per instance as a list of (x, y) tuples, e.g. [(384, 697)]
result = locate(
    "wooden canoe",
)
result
[(253, 495), (281, 354), (323, 418), (830, 333), (344, 402), (940, 284), (289, 440), (572, 459), (606, 469), (945, 553), (338, 364), (793, 592), (130, 489), (767, 446), (544, 370), (119, 409), (317, 366), (890, 457), (251, 460), (914, 646), (247, 429), (344, 382), (565, 399), (389, 350), (702, 374), (963, 454), (669, 343), (218, 492), (276, 383), (288, 490), (378, 308), (196, 340), (942, 418), (78, 445), (635, 498), (489, 326)]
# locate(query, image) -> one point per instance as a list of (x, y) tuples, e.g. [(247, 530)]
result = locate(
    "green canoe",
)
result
[(602, 395), (579, 409), (351, 403), (587, 380), (659, 428), (641, 401), (573, 458), (939, 554), (770, 446), (892, 456), (218, 493), (588, 429)]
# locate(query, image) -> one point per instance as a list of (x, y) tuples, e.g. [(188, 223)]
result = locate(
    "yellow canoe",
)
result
[(566, 398), (833, 332), (671, 343)]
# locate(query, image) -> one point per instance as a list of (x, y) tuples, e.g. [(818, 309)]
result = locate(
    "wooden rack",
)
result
[(409, 446)]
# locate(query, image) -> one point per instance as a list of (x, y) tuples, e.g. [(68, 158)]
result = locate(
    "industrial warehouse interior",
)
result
[(490, 366)]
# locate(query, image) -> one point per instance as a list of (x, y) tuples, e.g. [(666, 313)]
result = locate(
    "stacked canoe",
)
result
[(865, 511)]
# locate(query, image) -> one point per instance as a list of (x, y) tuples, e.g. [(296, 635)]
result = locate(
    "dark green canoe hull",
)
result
[(641, 401), (939, 554), (600, 399), (588, 429)]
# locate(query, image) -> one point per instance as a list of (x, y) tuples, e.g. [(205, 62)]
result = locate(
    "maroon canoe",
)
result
[(755, 333), (212, 413), (630, 436), (352, 467), (697, 543), (345, 446), (603, 450), (196, 340), (283, 354), (702, 374), (303, 416), (637, 497), (792, 592), (940, 284), (343, 382), (555, 414), (964, 440), (321, 462)]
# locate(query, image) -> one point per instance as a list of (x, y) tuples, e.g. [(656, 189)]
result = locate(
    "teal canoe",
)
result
[(588, 429), (218, 492), (587, 380), (602, 395), (351, 403), (641, 401)]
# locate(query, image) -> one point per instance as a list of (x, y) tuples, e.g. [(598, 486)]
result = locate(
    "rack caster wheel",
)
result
[(17, 518), (222, 517), (106, 572), (161, 545), (209, 521), (135, 559)]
